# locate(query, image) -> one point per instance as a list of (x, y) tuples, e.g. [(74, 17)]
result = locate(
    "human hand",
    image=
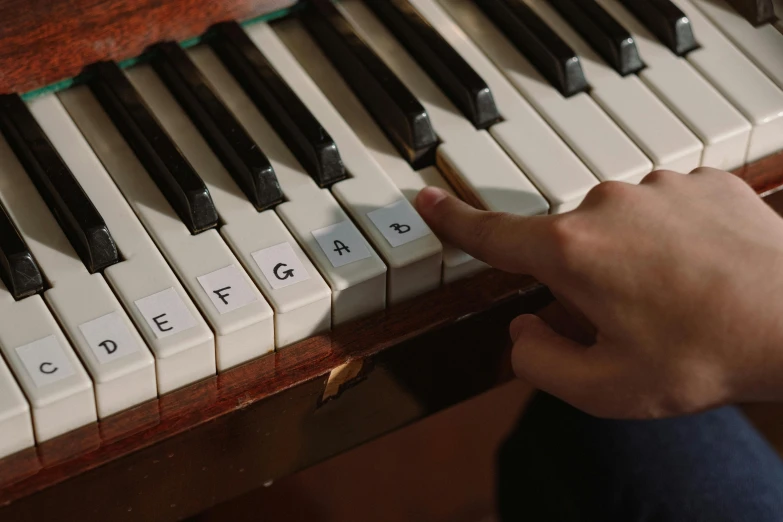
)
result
[(681, 276)]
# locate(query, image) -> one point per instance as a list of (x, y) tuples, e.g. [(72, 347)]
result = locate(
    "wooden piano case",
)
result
[(215, 440)]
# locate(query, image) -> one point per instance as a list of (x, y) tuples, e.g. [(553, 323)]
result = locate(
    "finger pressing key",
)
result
[(506, 241)]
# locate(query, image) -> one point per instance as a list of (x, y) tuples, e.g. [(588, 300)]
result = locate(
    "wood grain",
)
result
[(277, 414), (289, 410), (765, 175), (448, 346), (45, 41)]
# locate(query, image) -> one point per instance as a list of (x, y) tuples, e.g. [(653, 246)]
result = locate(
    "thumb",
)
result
[(556, 364)]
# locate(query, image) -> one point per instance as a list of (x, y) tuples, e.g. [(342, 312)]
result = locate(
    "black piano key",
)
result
[(241, 156), (396, 110), (183, 188), (293, 121), (75, 213), (604, 34), (466, 89), (546, 50), (757, 12), (18, 268), (667, 22)]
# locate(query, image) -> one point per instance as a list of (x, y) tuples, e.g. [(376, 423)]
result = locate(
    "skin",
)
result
[(681, 277)]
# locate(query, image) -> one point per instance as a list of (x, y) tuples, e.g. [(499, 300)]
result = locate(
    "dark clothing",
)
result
[(562, 465)]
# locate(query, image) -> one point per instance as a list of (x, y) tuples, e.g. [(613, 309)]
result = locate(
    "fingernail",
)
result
[(429, 197)]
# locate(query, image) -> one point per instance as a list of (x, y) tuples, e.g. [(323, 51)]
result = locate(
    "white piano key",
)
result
[(456, 264), (541, 154), (778, 5), (77, 297), (62, 404), (300, 311), (240, 335), (414, 263), (485, 175), (16, 424), (762, 45), (724, 132), (479, 153), (647, 120), (358, 288), (399, 223), (303, 304), (738, 79), (414, 266), (115, 355), (50, 373), (564, 186), (182, 358), (593, 136)]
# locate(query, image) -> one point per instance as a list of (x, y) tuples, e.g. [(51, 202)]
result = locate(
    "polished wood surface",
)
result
[(45, 41), (440, 469), (270, 417), (765, 175), (230, 434)]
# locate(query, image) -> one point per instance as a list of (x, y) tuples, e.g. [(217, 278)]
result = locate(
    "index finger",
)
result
[(506, 241)]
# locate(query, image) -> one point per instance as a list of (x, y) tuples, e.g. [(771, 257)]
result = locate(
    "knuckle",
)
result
[(707, 170), (565, 233), (609, 191), (661, 176), (720, 179), (484, 227)]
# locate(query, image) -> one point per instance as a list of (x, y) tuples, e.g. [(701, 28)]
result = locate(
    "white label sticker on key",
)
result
[(109, 338), (342, 243), (165, 313), (281, 266), (45, 361), (228, 289), (399, 223)]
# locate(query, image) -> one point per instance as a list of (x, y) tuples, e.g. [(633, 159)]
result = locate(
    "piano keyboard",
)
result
[(205, 207)]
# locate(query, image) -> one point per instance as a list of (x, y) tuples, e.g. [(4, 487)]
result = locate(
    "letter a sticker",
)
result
[(342, 243)]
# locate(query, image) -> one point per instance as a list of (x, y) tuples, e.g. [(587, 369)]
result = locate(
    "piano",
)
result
[(212, 272)]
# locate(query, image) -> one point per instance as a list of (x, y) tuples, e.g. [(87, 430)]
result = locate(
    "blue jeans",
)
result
[(562, 465)]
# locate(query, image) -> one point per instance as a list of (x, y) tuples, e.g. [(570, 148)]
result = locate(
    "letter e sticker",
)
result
[(165, 313)]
